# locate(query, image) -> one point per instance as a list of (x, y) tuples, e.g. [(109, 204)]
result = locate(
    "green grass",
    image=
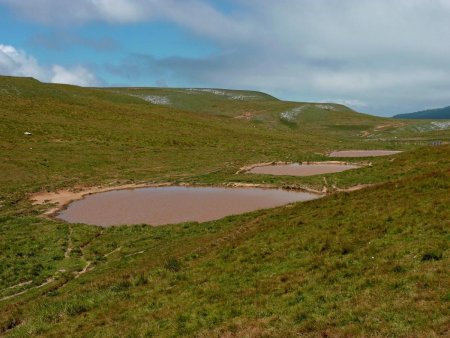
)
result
[(368, 263)]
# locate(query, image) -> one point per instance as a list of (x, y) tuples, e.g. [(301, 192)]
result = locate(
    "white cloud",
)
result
[(196, 15), (184, 12), (392, 55), (17, 63), (77, 75), (64, 11)]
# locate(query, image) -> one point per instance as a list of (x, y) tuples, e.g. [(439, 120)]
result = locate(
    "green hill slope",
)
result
[(372, 262), (79, 133), (441, 113), (249, 106)]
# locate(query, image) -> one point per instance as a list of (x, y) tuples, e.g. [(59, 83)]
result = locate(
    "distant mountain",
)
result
[(440, 113)]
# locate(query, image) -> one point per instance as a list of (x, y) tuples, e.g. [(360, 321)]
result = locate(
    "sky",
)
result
[(377, 56)]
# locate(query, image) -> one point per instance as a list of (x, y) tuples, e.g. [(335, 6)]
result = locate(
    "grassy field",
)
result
[(373, 262)]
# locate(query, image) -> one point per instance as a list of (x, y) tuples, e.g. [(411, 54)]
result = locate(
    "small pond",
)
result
[(363, 153), (175, 204), (297, 169)]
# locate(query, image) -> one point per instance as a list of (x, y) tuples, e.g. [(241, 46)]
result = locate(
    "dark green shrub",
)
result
[(432, 256), (173, 264)]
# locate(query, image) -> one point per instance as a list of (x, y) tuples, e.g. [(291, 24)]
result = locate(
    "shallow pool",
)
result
[(174, 204), (363, 153), (297, 169)]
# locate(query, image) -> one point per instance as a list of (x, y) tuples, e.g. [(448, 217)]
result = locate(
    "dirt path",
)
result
[(85, 269), (51, 279), (110, 253), (135, 253), (48, 281), (19, 285)]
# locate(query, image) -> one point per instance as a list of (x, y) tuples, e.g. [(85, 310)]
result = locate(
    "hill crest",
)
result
[(439, 113)]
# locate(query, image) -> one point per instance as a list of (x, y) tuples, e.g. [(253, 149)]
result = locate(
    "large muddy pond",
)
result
[(363, 153), (297, 169), (175, 204)]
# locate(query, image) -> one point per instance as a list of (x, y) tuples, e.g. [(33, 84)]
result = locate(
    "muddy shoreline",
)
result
[(248, 168), (62, 198), (175, 204), (303, 170)]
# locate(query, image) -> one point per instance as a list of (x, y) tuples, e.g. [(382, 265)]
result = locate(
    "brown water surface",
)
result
[(297, 169), (166, 205), (363, 153)]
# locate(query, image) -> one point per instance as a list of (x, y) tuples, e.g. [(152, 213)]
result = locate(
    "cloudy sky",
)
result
[(377, 56)]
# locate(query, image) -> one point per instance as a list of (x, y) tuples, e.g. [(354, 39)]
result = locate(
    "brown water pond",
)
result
[(297, 169), (174, 204), (363, 153)]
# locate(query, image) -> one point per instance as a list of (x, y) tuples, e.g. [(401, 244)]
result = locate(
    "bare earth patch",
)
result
[(245, 116), (396, 124), (383, 127)]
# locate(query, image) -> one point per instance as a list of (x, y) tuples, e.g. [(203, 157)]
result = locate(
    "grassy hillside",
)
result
[(368, 263), (252, 106), (440, 113), (91, 136)]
